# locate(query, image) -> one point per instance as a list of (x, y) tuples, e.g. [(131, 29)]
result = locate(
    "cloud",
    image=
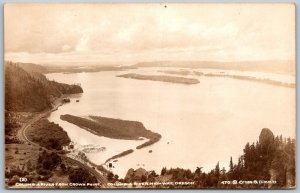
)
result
[(82, 44), (108, 32), (66, 48)]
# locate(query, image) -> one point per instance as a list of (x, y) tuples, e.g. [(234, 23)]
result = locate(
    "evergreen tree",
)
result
[(231, 165)]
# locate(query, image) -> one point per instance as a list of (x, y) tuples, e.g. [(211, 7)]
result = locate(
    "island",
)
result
[(248, 78), (124, 153), (181, 72), (162, 78), (184, 72), (114, 128)]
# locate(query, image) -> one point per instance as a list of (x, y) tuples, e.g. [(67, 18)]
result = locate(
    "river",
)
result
[(200, 124)]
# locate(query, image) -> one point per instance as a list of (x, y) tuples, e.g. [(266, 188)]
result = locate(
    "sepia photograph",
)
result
[(150, 95)]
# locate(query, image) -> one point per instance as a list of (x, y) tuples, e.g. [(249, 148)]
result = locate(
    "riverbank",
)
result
[(161, 78)]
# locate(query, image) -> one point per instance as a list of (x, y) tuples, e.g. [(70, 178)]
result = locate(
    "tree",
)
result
[(63, 167), (54, 143), (80, 175), (163, 171), (29, 166), (247, 155), (143, 178), (217, 169), (116, 177), (198, 170), (110, 176), (48, 161), (230, 165)]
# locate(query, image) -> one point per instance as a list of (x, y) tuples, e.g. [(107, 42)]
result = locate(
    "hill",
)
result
[(26, 89), (32, 68)]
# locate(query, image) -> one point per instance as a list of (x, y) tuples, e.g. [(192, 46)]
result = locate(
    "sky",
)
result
[(131, 33)]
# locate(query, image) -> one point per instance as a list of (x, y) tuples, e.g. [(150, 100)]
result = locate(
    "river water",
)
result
[(200, 124)]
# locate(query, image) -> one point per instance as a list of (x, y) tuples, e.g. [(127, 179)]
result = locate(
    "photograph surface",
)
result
[(150, 95)]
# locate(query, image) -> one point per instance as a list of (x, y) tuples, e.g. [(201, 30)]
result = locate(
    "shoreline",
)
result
[(87, 164)]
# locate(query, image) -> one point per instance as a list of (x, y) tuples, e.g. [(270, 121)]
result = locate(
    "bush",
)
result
[(48, 161), (80, 175)]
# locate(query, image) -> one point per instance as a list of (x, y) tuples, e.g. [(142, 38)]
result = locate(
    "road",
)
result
[(22, 136)]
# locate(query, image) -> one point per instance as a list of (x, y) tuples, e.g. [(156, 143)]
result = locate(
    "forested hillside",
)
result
[(30, 91)]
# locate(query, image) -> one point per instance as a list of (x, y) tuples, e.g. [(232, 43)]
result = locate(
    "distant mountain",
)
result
[(281, 67), (26, 89)]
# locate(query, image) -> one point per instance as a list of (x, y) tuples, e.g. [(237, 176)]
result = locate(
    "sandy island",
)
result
[(115, 129), (162, 78)]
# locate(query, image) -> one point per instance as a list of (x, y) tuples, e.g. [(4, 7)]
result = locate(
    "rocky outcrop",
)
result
[(266, 137)]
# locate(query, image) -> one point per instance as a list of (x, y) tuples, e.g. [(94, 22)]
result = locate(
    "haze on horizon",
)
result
[(51, 33)]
